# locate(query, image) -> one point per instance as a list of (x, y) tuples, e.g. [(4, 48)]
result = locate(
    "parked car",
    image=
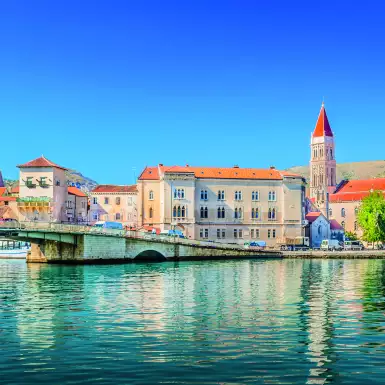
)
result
[(353, 245), (109, 225), (172, 233), (331, 244)]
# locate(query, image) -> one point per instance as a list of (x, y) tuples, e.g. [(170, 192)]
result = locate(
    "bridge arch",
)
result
[(150, 256)]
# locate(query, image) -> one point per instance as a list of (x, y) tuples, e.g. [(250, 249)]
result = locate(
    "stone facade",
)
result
[(114, 203), (229, 205), (322, 163)]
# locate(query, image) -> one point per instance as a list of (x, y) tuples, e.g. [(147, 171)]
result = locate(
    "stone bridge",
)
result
[(62, 243)]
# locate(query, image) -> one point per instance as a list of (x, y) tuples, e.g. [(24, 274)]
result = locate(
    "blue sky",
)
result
[(108, 86)]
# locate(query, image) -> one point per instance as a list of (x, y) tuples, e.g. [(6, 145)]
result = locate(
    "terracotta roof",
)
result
[(2, 190), (362, 185), (356, 190), (312, 216), (154, 173), (149, 173), (334, 225), (40, 162), (322, 128), (7, 198), (7, 212), (110, 188), (76, 191), (15, 190)]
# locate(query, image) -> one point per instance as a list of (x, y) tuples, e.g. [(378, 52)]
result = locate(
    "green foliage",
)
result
[(348, 175), (371, 217), (352, 236)]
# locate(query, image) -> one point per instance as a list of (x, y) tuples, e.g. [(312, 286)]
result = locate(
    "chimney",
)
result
[(187, 165), (236, 166), (160, 164), (272, 167)]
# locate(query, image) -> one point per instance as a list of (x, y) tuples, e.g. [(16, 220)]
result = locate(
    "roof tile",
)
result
[(110, 188), (40, 162), (322, 127)]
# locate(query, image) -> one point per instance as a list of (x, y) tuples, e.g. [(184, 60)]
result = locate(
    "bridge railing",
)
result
[(82, 229)]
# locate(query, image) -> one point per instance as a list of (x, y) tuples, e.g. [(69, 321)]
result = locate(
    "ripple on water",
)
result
[(230, 322)]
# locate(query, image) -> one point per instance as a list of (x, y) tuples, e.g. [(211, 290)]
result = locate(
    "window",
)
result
[(252, 233), (221, 233), (183, 212), (343, 224), (174, 212), (57, 182), (220, 212), (29, 182), (330, 212), (271, 233), (240, 233), (117, 200), (255, 213), (179, 212), (204, 212), (255, 196), (201, 233), (221, 195), (117, 216), (235, 233), (83, 205), (129, 201), (356, 210), (151, 212), (95, 216), (236, 214), (271, 213), (206, 233), (256, 233), (178, 193), (106, 201), (272, 196), (238, 195), (343, 213), (95, 200), (355, 226), (151, 195), (204, 195), (43, 181)]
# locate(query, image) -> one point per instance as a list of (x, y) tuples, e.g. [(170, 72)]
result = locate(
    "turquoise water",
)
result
[(231, 322)]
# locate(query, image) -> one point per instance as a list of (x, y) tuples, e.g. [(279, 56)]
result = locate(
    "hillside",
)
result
[(354, 170)]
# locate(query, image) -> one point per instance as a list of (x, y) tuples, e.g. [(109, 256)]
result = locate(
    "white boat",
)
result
[(14, 253)]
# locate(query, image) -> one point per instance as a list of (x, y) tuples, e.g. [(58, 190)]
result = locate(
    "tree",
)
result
[(371, 217), (352, 236)]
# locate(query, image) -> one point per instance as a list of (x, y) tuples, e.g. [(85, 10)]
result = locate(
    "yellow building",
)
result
[(114, 203), (223, 204)]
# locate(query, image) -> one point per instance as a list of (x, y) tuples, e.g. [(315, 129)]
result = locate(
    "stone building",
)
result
[(322, 163), (44, 196), (114, 203), (223, 204)]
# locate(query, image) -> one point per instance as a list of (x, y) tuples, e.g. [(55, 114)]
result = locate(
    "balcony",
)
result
[(34, 202)]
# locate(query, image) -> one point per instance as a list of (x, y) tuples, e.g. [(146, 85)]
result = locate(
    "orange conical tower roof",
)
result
[(322, 128)]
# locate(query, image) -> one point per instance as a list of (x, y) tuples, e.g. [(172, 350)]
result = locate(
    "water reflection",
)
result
[(277, 322)]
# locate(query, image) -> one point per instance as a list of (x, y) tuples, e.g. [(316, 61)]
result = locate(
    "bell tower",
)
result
[(322, 163)]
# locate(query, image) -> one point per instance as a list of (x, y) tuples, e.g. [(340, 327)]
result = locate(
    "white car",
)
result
[(331, 244)]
